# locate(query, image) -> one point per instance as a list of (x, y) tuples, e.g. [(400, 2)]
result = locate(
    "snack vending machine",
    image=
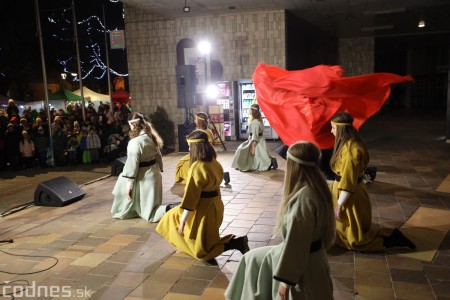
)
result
[(226, 116)]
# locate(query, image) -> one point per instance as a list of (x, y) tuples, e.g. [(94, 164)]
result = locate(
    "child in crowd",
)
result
[(42, 142), (26, 150), (84, 149), (72, 147), (93, 144)]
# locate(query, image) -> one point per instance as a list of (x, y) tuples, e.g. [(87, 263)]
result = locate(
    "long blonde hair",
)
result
[(299, 175), (144, 124), (201, 120), (201, 149), (344, 132)]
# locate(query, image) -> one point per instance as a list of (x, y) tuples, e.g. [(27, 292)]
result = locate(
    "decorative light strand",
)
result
[(90, 24)]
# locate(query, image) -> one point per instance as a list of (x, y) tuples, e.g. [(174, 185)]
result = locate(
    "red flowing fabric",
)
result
[(300, 104)]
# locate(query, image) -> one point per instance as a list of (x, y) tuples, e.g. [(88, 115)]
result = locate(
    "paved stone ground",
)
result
[(126, 259)]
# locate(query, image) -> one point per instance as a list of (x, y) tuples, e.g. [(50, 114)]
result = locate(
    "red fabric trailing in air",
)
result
[(299, 104)]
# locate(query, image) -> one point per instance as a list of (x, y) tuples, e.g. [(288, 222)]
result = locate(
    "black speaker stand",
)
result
[(218, 134)]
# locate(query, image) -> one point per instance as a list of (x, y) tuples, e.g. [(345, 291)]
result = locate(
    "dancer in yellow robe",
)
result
[(193, 226), (353, 210), (181, 170)]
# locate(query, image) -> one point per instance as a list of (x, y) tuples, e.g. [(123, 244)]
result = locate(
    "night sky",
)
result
[(20, 58)]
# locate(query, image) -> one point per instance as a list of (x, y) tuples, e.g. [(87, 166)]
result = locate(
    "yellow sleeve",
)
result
[(210, 135), (353, 155), (194, 185)]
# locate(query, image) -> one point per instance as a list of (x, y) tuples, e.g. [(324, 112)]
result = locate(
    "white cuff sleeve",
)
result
[(285, 285), (185, 215), (130, 183), (343, 197)]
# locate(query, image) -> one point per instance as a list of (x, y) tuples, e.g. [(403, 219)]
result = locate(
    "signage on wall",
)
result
[(224, 88), (117, 39)]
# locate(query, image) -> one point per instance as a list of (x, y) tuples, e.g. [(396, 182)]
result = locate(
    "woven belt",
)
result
[(147, 163), (338, 178), (315, 246), (210, 194)]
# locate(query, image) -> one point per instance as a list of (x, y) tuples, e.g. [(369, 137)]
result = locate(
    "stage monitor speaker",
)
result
[(186, 86), (57, 192), (118, 165)]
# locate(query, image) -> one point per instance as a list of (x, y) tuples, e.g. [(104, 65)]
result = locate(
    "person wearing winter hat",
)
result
[(12, 110)]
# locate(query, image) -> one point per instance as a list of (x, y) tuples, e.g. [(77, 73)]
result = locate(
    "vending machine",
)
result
[(246, 96), (226, 116)]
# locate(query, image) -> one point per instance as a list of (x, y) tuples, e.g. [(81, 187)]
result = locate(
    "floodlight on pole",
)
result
[(204, 47), (212, 91)]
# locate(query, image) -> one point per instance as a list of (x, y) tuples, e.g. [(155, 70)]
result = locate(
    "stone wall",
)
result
[(357, 56), (239, 43)]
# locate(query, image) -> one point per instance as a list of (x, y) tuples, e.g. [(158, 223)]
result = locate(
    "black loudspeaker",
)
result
[(183, 131), (57, 192), (118, 165), (186, 86)]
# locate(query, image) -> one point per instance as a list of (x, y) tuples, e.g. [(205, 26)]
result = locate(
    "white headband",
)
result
[(134, 120), (299, 161), (254, 108)]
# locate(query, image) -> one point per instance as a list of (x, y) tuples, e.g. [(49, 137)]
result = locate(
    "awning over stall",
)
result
[(90, 95), (64, 94)]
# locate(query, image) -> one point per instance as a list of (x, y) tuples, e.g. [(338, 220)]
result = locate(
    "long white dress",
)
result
[(261, 161), (147, 189), (260, 270)]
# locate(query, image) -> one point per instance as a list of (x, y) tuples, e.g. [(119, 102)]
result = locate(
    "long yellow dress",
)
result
[(354, 231), (182, 168), (201, 238)]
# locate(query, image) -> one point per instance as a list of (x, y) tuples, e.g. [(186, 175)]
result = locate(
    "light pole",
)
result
[(44, 75), (75, 32)]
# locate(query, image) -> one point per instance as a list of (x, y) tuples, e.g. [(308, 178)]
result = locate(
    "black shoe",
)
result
[(401, 240), (274, 163), (242, 244), (226, 177), (371, 173), (172, 205)]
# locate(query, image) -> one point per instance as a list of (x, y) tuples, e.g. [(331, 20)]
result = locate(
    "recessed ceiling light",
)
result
[(186, 8), (421, 24)]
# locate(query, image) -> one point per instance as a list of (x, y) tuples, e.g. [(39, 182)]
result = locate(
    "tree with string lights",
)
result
[(91, 41)]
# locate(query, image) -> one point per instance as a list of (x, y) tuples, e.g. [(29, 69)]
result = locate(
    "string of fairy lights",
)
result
[(94, 65)]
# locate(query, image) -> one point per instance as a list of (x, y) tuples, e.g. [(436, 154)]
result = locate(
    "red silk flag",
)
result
[(300, 104)]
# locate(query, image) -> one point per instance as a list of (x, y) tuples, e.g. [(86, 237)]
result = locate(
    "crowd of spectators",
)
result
[(32, 139)]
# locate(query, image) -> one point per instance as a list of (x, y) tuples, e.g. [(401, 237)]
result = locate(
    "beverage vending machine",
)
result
[(245, 97)]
